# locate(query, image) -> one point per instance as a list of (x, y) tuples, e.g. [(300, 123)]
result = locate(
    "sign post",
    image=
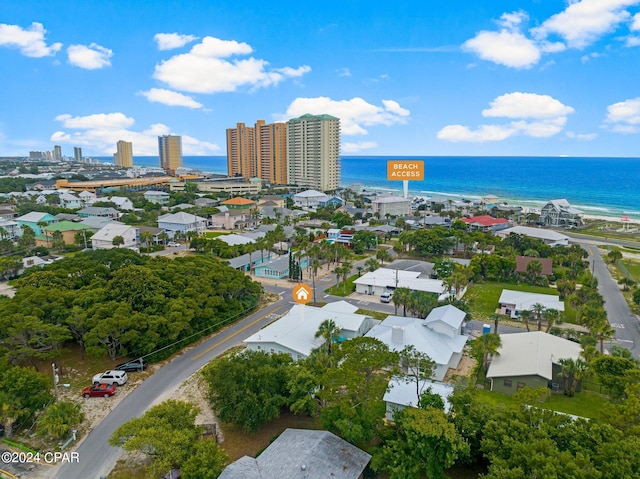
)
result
[(405, 170)]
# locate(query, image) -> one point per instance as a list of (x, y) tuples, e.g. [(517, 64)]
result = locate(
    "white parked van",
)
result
[(386, 297)]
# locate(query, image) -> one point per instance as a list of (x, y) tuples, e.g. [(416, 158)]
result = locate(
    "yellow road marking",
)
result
[(8, 474), (244, 328)]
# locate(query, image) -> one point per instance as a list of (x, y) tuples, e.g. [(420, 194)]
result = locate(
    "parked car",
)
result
[(173, 244), (137, 365), (386, 297), (111, 377), (99, 390)]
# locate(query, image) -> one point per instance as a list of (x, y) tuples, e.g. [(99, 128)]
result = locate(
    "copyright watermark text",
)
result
[(10, 457)]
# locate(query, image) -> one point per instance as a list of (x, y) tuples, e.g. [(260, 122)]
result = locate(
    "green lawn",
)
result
[(483, 298), (339, 290), (213, 234), (585, 404)]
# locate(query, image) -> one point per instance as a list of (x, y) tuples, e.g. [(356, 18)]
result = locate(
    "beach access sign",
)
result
[(405, 170)]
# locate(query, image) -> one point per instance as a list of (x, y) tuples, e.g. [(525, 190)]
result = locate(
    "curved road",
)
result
[(96, 456)]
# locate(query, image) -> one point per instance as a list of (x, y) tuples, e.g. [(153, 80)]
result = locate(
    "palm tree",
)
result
[(553, 317), (496, 318), (525, 315), (329, 331), (484, 347), (573, 370), (401, 298), (372, 264), (538, 311), (382, 255), (146, 237)]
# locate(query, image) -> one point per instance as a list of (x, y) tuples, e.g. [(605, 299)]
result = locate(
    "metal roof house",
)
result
[(550, 237), (530, 359), (560, 213), (439, 336), (384, 280), (512, 302), (294, 333), (402, 394), (304, 454)]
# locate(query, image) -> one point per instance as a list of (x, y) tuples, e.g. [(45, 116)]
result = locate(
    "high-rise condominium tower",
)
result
[(57, 152), (258, 151), (241, 151), (124, 154), (313, 151), (77, 154), (170, 152), (271, 149)]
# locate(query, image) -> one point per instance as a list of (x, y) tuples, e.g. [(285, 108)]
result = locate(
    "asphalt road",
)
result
[(97, 457), (621, 318)]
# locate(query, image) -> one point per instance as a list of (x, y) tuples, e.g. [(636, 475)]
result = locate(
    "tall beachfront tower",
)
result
[(271, 148), (170, 152), (77, 154), (313, 151), (57, 152), (124, 154), (241, 151)]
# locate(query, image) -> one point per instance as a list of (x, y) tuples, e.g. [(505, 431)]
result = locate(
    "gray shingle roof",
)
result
[(302, 453)]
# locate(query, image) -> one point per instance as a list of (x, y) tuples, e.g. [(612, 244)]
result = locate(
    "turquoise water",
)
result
[(606, 186)]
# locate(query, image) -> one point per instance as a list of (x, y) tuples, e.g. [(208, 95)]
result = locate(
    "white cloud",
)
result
[(582, 136), (508, 48), (171, 98), (98, 120), (359, 146), (459, 133), (581, 24), (100, 132), (533, 115), (589, 56), (354, 114), (624, 116), (632, 41), (92, 57), (204, 69), (584, 22), (527, 105), (169, 41), (344, 72), (29, 41)]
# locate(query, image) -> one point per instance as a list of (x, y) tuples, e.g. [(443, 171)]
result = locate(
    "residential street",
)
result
[(621, 318), (97, 458)]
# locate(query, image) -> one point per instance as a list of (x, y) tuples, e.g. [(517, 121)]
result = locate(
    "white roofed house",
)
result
[(402, 394), (103, 238), (513, 302), (550, 237), (309, 199), (391, 206), (88, 198), (121, 202), (181, 222), (385, 280), (530, 359), (560, 213), (294, 333), (439, 336), (159, 197), (70, 201)]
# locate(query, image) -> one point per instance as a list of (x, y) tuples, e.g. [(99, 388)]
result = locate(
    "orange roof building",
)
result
[(239, 203)]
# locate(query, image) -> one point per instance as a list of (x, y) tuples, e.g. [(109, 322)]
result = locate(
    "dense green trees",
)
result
[(248, 389), (117, 302), (168, 433)]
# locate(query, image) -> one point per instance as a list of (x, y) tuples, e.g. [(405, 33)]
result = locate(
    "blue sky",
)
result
[(456, 77)]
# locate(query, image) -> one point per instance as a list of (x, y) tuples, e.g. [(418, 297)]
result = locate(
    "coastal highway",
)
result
[(621, 318), (96, 456)]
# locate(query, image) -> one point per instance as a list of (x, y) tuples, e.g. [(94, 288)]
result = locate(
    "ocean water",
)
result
[(604, 186)]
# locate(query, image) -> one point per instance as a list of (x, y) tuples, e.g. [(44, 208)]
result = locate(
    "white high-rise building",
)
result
[(313, 151)]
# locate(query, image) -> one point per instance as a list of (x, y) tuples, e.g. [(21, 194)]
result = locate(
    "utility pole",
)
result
[(54, 369)]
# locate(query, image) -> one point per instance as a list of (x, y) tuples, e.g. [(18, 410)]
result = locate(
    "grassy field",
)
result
[(585, 404), (483, 298), (606, 234)]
